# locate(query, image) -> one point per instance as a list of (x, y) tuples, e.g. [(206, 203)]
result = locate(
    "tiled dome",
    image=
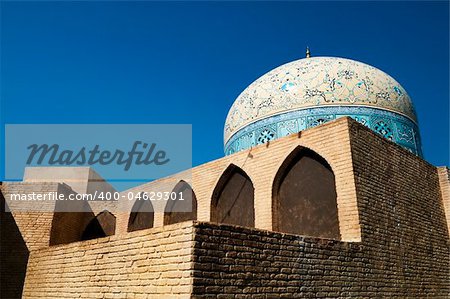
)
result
[(311, 91)]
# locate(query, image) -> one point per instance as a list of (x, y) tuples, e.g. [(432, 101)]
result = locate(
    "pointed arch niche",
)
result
[(304, 196), (142, 215), (233, 198), (183, 207), (102, 225)]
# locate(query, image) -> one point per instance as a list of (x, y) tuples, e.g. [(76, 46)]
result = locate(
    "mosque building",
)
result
[(323, 192)]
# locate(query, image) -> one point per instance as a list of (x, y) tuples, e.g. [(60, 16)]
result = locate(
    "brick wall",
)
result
[(444, 181), (237, 262), (207, 260), (154, 261), (402, 217)]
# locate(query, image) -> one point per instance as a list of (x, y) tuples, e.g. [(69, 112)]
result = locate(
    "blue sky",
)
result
[(186, 62)]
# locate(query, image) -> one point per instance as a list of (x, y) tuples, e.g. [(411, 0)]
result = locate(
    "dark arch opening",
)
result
[(304, 196), (183, 207), (142, 215), (233, 198), (102, 225)]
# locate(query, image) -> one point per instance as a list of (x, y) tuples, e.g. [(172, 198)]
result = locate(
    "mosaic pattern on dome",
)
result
[(317, 82)]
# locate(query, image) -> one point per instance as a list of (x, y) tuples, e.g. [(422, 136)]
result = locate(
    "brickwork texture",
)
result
[(393, 211)]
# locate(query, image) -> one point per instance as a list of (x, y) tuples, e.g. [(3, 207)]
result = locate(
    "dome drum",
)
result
[(392, 126)]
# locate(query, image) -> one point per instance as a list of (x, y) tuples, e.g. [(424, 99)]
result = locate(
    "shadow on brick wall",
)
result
[(13, 255)]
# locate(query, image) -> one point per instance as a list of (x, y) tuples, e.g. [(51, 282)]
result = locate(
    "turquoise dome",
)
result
[(311, 91)]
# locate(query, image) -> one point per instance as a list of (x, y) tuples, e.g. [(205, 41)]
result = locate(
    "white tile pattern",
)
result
[(317, 82)]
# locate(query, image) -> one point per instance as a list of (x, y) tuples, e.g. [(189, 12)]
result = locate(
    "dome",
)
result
[(311, 91)]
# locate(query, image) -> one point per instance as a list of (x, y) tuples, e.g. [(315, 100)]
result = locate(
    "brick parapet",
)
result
[(154, 261)]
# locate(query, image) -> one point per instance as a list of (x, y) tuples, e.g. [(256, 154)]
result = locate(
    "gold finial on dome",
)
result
[(308, 53)]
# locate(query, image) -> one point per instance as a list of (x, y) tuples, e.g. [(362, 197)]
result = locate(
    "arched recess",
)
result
[(102, 225), (142, 215), (233, 198), (183, 207), (304, 196)]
